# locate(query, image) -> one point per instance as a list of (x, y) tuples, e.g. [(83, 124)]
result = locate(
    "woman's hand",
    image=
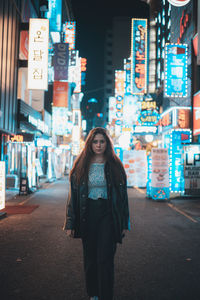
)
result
[(70, 233)]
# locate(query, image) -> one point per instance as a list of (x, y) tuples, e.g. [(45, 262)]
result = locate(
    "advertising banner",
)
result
[(135, 164), (176, 69), (139, 56), (60, 94), (160, 174), (196, 114), (38, 54), (2, 184), (61, 60), (192, 169)]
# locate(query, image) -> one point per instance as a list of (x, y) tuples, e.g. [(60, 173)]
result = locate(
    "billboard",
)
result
[(139, 56), (38, 54), (196, 114), (176, 70), (61, 60)]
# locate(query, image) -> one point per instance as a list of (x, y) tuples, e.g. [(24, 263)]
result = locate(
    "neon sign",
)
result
[(184, 21), (139, 56), (176, 81)]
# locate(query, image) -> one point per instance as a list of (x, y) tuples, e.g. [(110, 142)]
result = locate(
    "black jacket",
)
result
[(77, 206)]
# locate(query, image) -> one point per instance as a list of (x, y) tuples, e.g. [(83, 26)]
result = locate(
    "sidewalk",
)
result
[(12, 194)]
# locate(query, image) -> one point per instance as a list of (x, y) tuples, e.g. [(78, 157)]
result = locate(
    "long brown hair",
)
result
[(82, 163)]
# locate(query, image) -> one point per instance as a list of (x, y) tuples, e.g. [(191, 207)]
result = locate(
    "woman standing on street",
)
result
[(97, 210)]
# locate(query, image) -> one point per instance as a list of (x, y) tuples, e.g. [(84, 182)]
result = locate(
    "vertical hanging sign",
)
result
[(38, 54), (2, 184), (160, 174), (139, 56)]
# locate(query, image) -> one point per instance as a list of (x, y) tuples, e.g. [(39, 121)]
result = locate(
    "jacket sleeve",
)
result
[(70, 207), (126, 208)]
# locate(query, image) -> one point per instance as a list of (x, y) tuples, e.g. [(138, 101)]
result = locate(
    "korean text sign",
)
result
[(176, 82), (38, 54), (139, 56)]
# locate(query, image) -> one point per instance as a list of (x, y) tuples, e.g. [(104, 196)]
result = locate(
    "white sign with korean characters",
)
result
[(38, 54), (2, 184)]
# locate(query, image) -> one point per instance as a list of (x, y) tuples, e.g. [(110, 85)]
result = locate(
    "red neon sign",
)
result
[(184, 20)]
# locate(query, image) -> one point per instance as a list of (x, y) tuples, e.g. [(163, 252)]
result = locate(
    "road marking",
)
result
[(139, 190), (182, 212)]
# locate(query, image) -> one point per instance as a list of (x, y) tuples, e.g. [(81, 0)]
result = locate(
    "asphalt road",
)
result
[(158, 260)]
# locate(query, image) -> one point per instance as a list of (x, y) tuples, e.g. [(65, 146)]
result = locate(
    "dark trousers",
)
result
[(98, 251)]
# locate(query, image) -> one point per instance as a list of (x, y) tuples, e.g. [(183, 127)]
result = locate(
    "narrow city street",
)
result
[(158, 260)]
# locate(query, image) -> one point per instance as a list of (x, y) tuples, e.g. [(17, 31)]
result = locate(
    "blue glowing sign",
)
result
[(119, 152), (176, 81), (54, 15), (177, 138), (127, 68), (139, 56), (148, 117)]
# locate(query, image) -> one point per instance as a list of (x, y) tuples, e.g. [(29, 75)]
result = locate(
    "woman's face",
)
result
[(99, 144)]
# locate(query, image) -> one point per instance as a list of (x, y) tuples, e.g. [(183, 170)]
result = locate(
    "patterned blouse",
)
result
[(97, 187)]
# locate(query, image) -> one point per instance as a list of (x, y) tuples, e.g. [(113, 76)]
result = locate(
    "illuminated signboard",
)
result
[(195, 43), (75, 70), (175, 117), (112, 109), (196, 114), (38, 54), (119, 83), (17, 138), (2, 184), (127, 69), (119, 93), (178, 137), (119, 152), (60, 93), (144, 129), (178, 2), (176, 81), (61, 59), (83, 70), (54, 15), (160, 174), (139, 56), (60, 124), (148, 117), (69, 29), (131, 109), (192, 169)]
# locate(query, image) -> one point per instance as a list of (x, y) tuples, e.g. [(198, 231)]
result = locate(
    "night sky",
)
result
[(93, 17)]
